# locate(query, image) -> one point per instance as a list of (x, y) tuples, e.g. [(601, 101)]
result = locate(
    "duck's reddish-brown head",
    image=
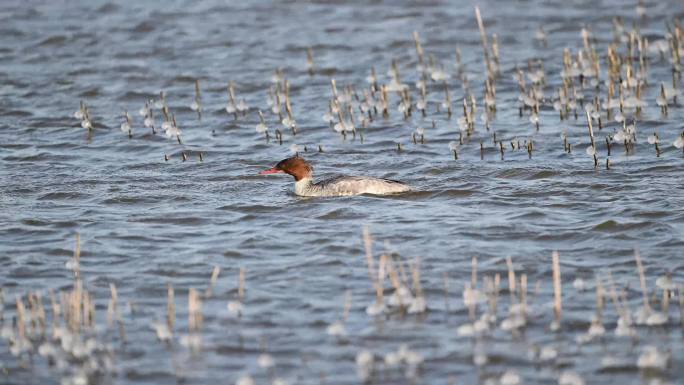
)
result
[(295, 166)]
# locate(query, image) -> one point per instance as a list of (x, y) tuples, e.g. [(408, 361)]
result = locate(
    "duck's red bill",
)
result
[(271, 171)]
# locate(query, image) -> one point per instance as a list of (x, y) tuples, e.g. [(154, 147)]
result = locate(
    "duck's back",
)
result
[(355, 185)]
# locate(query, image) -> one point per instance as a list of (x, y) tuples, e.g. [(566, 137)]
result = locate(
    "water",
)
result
[(146, 223)]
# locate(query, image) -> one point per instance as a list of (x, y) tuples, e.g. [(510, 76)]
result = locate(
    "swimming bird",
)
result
[(302, 172)]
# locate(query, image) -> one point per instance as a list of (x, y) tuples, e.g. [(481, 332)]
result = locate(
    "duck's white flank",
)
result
[(348, 185)]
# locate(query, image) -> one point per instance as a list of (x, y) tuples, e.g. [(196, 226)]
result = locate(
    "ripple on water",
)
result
[(455, 193), (341, 213), (63, 195), (55, 40), (613, 226), (15, 113), (544, 174), (133, 200)]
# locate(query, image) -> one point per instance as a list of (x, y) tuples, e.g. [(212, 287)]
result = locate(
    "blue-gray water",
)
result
[(146, 223)]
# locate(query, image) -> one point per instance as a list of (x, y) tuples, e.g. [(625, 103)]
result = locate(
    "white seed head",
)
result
[(265, 361)]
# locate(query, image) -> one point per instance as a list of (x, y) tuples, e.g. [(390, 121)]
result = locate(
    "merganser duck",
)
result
[(302, 172)]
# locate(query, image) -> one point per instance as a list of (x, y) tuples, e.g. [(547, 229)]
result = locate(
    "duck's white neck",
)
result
[(303, 186)]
